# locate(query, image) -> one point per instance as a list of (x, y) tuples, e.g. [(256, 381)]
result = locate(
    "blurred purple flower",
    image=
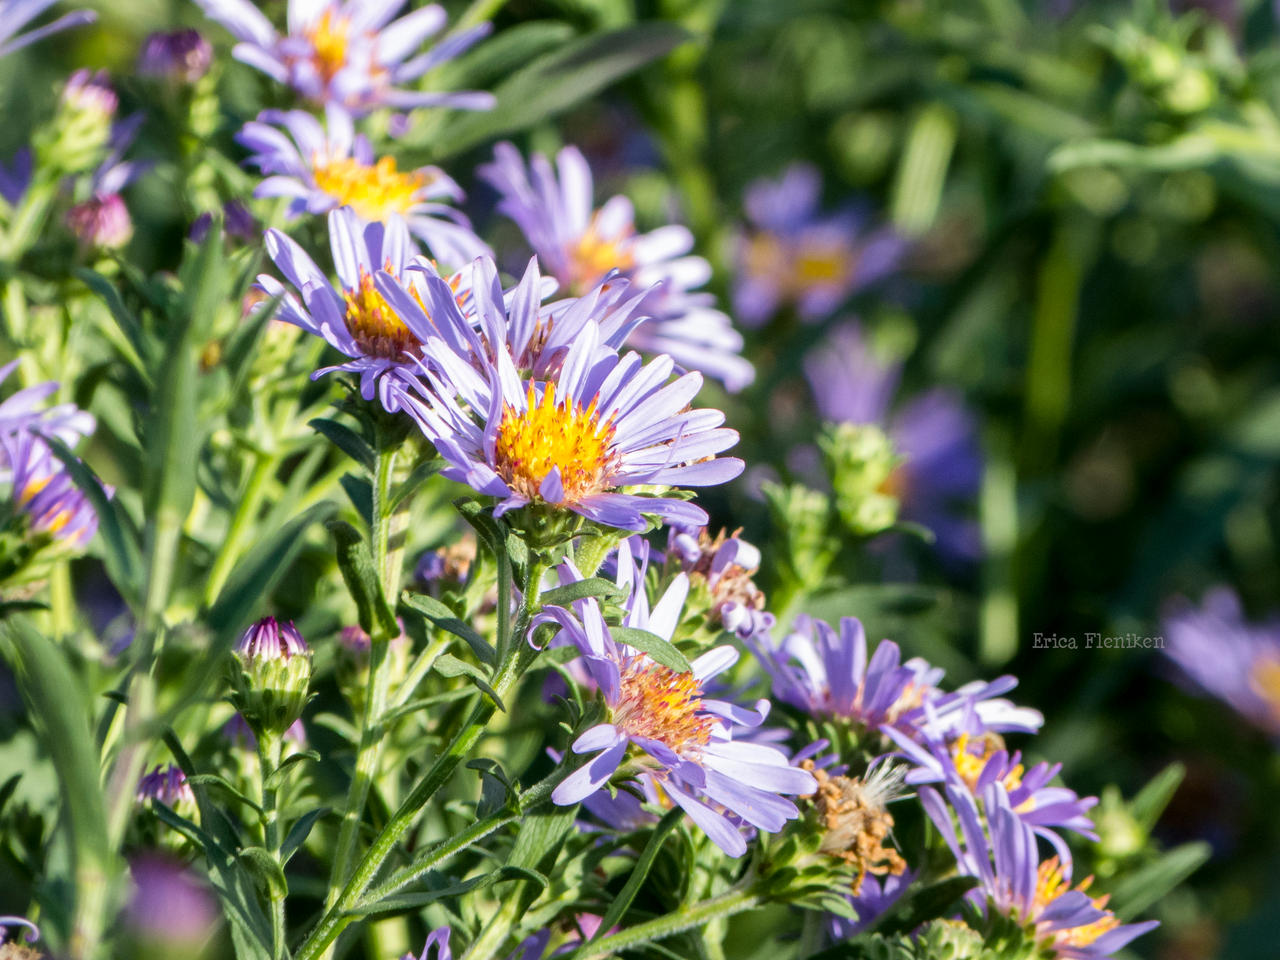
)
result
[(168, 784), (581, 245), (15, 178), (90, 91), (181, 56), (1227, 657), (793, 255), (16, 14), (102, 222), (351, 54), (877, 897), (238, 223), (170, 905), (325, 166), (437, 946), (934, 431)]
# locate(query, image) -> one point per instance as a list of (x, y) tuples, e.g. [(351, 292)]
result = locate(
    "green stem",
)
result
[(269, 747), (513, 665), (725, 905), (245, 515)]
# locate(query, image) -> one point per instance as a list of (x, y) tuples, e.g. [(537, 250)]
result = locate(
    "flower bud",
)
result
[(179, 56), (272, 676), (78, 135), (102, 222), (864, 473)]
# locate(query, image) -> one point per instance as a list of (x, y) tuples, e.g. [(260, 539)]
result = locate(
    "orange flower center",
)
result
[(547, 435), (376, 328), (657, 703), (374, 192)]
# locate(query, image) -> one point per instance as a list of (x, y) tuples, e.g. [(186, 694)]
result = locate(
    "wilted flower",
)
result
[(180, 56), (102, 222), (581, 246), (581, 442), (724, 564), (826, 673), (1063, 920), (350, 54), (793, 255), (934, 434), (662, 730), (1227, 657), (856, 824), (325, 166), (272, 677), (16, 14)]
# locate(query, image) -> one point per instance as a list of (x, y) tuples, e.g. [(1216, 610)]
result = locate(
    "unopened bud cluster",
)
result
[(271, 676), (863, 469)]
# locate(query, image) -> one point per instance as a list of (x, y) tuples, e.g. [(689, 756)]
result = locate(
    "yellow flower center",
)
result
[(970, 758), (31, 488), (1264, 679), (374, 192), (819, 263), (657, 703), (1051, 883), (376, 328), (328, 37), (546, 435), (594, 255)]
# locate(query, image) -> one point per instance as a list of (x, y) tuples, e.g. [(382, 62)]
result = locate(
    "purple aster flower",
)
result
[(16, 14), (16, 177), (934, 432), (269, 639), (663, 731), (826, 673), (24, 411), (45, 493), (971, 763), (180, 56), (1066, 921), (725, 564), (792, 255), (321, 167), (168, 784), (170, 905), (581, 246), (879, 895), (32, 932), (353, 317), (1227, 657), (437, 946), (351, 54), (600, 424)]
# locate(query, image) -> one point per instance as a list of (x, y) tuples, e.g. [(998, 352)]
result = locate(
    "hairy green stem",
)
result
[(726, 904), (269, 748)]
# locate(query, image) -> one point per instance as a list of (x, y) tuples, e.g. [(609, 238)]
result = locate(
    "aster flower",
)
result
[(16, 14), (350, 53), (581, 245), (321, 167), (1227, 657), (45, 493), (669, 736), (352, 316), (971, 763), (271, 677), (437, 946), (854, 816), (102, 222), (604, 424), (24, 411), (934, 433), (793, 255), (32, 932), (170, 905), (725, 564), (877, 897), (180, 56), (826, 673), (1065, 921)]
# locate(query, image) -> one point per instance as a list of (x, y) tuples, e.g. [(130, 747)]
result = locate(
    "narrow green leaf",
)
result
[(356, 565), (420, 474), (661, 650), (597, 587), (448, 665), (129, 325), (445, 619), (299, 832), (213, 780), (1146, 886), (277, 776), (639, 873), (264, 868), (1151, 800), (346, 440), (401, 903)]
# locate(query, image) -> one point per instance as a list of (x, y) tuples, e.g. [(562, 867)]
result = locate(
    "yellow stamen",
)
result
[(970, 762), (820, 263), (328, 38), (31, 488), (594, 255), (546, 435), (374, 192), (1051, 883), (659, 704), (376, 328), (1264, 679)]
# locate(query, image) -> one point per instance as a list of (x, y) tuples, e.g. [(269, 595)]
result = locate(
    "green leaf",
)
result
[(356, 564), (556, 81), (448, 665), (420, 474), (129, 325), (1141, 888), (618, 909), (276, 777), (261, 569), (264, 868), (299, 832), (401, 903), (213, 780), (579, 590), (661, 650), (346, 440), (1151, 800), (445, 619)]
